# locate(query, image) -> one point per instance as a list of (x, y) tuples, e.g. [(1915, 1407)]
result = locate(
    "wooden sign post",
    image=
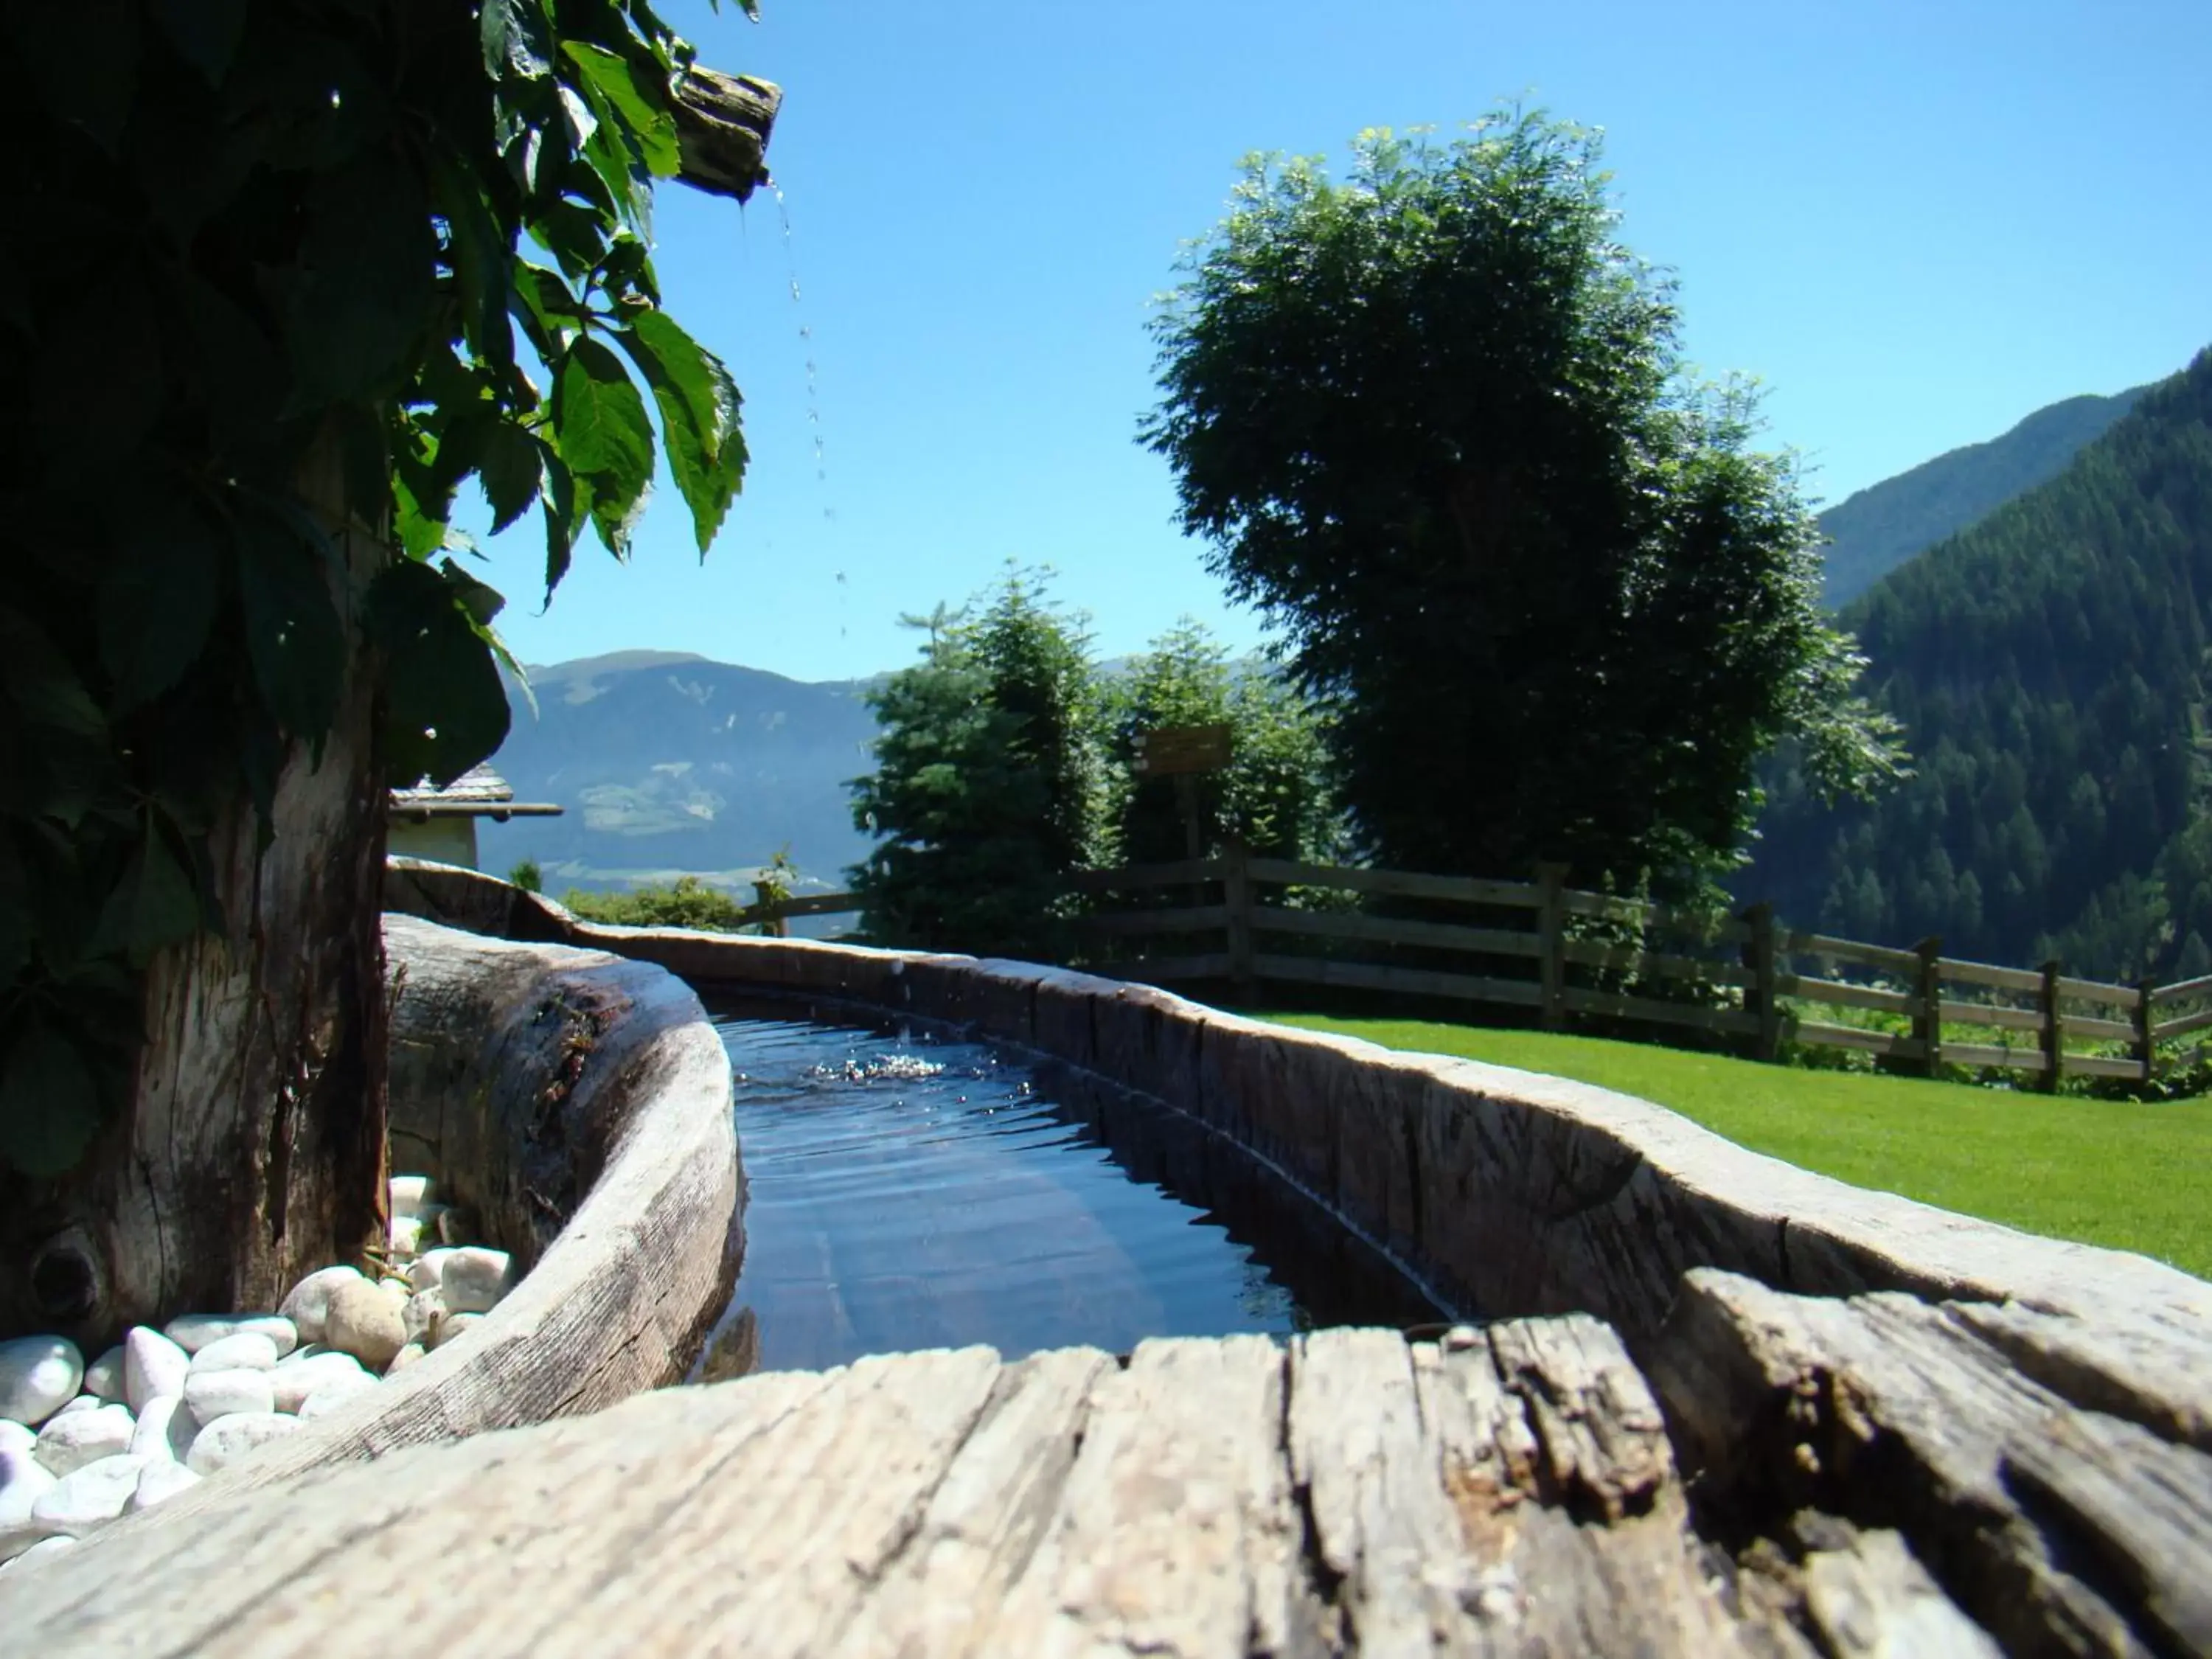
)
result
[(1183, 752)]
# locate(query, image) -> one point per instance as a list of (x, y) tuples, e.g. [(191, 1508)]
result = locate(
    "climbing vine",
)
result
[(402, 241)]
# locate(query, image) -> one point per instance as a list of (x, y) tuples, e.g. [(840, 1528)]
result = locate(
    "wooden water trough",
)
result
[(1722, 1407)]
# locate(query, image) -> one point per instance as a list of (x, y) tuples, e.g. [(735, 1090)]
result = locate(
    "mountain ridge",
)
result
[(1876, 529)]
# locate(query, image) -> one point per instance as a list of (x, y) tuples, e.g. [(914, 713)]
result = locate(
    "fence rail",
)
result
[(1530, 945), (1540, 944)]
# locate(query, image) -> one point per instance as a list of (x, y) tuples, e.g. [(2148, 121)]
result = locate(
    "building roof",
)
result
[(478, 785), (478, 792)]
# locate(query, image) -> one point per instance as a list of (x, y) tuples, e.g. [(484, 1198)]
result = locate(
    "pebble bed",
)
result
[(83, 1444)]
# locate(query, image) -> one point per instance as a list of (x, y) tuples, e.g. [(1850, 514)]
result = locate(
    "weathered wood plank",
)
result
[(1391, 930), (1187, 919), (2059, 1526), (1176, 1530), (1841, 994), (1869, 1599), (1850, 1036), (1578, 1001), (1395, 883), (1382, 1523), (1417, 981)]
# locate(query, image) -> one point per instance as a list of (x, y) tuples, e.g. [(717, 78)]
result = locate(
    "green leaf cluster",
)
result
[(285, 276), (1434, 421)]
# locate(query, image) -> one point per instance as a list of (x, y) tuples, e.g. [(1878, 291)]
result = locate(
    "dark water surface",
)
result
[(911, 1191)]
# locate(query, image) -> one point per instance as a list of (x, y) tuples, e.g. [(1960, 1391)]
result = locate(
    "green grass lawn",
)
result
[(2135, 1177)]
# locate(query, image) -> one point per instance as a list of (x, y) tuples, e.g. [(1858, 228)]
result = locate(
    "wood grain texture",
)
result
[(1795, 1476), (1348, 1494)]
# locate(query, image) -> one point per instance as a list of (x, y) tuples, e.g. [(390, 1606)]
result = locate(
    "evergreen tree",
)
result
[(988, 786), (2050, 665)]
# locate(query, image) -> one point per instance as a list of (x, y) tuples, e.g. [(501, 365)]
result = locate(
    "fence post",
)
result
[(2054, 1030), (1236, 904), (2146, 1004), (1760, 998), (773, 921), (1551, 940), (1928, 1024)]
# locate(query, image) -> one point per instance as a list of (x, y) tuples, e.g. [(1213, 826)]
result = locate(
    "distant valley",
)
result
[(669, 764)]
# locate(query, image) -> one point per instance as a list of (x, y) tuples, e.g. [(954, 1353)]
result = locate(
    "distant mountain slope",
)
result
[(1886, 524), (669, 763), (2051, 667)]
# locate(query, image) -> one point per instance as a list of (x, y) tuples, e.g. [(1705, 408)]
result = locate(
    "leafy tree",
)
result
[(987, 789), (1275, 796), (528, 877), (285, 277), (1434, 421)]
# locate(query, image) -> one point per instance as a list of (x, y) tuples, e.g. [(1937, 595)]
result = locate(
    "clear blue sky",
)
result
[(1917, 223)]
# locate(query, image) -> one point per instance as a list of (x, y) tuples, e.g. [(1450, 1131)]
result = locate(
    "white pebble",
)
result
[(88, 1499), (192, 1332), (406, 1356), (474, 1278), (294, 1384), (39, 1374), (409, 1193), (45, 1547), (14, 1437), (248, 1351), (334, 1394), (310, 1300), (229, 1438), (73, 1439), (23, 1482), (423, 1272), (166, 1429), (214, 1394), (406, 1235), (152, 1365), (83, 1402), (158, 1481), (104, 1376)]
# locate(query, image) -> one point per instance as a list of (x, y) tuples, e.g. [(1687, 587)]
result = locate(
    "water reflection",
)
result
[(907, 1193)]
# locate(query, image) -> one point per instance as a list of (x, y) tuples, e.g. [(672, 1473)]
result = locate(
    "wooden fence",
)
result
[(1559, 952)]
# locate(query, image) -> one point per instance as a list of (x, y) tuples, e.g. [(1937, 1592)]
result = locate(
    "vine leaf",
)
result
[(482, 258), (154, 905), (293, 634), (49, 1105), (698, 401), (205, 32), (158, 605), (510, 464), (603, 435), (518, 40), (620, 91), (446, 709), (371, 267)]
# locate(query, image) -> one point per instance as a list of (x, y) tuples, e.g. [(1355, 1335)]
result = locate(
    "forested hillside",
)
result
[(2048, 666), (1880, 527)]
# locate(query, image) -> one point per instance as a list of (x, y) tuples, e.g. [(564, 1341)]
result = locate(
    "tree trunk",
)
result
[(253, 1151)]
